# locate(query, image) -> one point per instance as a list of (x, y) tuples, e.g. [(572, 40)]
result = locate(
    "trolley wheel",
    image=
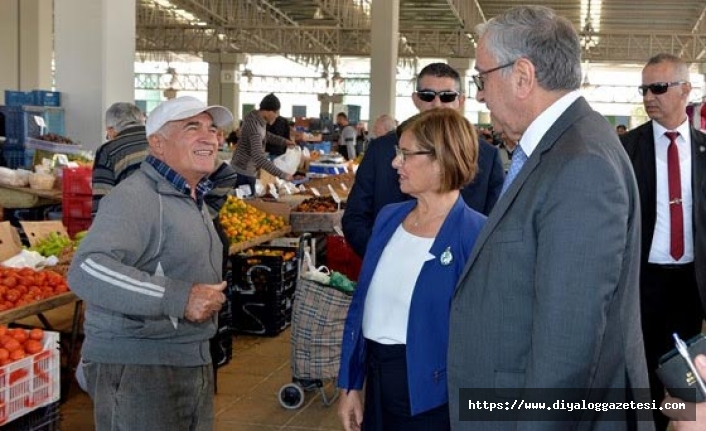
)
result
[(291, 396)]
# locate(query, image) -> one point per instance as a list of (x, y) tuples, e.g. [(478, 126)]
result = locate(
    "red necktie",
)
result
[(676, 216)]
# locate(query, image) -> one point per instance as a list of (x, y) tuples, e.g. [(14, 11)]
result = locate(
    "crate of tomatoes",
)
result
[(25, 286), (29, 371)]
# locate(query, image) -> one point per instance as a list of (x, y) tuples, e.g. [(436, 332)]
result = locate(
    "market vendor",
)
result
[(250, 156)]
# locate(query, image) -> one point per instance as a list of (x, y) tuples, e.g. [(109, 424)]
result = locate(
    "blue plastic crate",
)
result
[(20, 121), (14, 122), (53, 120), (46, 98), (328, 168), (323, 147), (14, 157), (18, 98)]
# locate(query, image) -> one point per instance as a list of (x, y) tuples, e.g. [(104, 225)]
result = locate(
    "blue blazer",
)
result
[(377, 184), (428, 326)]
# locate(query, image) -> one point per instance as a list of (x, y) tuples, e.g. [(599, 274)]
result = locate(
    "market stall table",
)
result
[(26, 197)]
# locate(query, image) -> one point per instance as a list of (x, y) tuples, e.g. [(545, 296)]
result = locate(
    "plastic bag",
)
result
[(341, 282), (289, 161)]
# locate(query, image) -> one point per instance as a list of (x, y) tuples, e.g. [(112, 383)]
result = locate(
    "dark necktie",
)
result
[(676, 215)]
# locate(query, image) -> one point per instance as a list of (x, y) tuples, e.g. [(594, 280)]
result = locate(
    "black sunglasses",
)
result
[(445, 96), (658, 87)]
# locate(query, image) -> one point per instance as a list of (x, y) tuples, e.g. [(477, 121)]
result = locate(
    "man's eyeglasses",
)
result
[(403, 154), (478, 78), (445, 96), (658, 87)]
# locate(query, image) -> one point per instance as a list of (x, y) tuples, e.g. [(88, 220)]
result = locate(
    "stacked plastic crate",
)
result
[(263, 290), (21, 119), (77, 199)]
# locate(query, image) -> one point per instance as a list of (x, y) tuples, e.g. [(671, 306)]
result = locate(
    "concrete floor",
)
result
[(247, 397)]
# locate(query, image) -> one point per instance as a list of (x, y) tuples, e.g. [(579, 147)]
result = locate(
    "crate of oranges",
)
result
[(29, 371), (247, 224)]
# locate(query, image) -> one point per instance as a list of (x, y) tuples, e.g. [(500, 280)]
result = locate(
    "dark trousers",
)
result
[(670, 303), (387, 405)]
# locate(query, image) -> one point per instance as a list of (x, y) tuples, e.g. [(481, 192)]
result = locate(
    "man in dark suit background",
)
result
[(669, 292), (564, 313), (376, 182)]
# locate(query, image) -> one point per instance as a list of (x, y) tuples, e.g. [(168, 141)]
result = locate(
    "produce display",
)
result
[(52, 244), (53, 137), (319, 204), (23, 286), (242, 222), (17, 343), (286, 255)]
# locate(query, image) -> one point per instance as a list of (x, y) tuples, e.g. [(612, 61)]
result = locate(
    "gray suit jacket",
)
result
[(549, 297)]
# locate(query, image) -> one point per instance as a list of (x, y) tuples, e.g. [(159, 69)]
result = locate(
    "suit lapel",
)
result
[(698, 166), (577, 109)]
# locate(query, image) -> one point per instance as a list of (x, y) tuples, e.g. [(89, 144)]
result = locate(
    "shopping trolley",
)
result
[(318, 316)]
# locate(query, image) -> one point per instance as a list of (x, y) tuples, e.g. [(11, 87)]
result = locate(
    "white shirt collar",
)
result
[(538, 128), (658, 130)]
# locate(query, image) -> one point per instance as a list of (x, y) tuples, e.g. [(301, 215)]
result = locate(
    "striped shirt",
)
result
[(118, 159), (249, 156)]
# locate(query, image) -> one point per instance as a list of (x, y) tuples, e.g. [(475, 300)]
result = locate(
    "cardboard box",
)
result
[(10, 243), (315, 222), (36, 231)]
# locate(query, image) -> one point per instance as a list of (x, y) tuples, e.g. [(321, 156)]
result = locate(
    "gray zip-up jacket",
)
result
[(147, 246)]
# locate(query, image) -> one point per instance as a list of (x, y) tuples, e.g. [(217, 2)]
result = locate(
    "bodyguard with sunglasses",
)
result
[(376, 183), (670, 177)]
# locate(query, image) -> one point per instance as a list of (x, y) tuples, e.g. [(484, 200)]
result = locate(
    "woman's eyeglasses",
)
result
[(445, 96), (658, 87), (403, 154)]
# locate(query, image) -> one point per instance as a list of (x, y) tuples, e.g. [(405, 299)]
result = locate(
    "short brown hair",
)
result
[(452, 140)]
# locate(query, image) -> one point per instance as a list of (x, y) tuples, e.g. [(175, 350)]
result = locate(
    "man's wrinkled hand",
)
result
[(204, 300)]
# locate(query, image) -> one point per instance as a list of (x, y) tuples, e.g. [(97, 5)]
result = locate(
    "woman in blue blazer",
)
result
[(396, 333)]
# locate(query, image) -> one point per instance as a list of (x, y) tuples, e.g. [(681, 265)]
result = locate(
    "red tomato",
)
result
[(33, 346), (36, 334), (12, 345), (19, 334), (16, 355)]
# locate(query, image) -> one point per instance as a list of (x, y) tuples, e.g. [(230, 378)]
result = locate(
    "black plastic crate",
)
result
[(262, 277), (262, 318), (221, 347), (42, 419)]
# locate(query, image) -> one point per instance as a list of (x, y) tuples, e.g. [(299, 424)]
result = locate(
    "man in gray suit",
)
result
[(564, 313)]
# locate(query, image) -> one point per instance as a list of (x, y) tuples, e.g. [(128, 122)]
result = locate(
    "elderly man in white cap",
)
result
[(150, 273)]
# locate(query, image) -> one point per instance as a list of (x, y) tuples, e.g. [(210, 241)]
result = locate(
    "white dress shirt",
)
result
[(659, 252), (389, 296)]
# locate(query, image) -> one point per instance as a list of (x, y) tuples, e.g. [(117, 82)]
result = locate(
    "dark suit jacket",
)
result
[(640, 146), (549, 297), (377, 184)]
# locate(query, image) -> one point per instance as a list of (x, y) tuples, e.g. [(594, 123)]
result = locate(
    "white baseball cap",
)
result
[(184, 107)]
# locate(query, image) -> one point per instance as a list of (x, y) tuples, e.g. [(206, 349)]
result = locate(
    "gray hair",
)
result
[(122, 115), (386, 122), (538, 34), (680, 67)]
